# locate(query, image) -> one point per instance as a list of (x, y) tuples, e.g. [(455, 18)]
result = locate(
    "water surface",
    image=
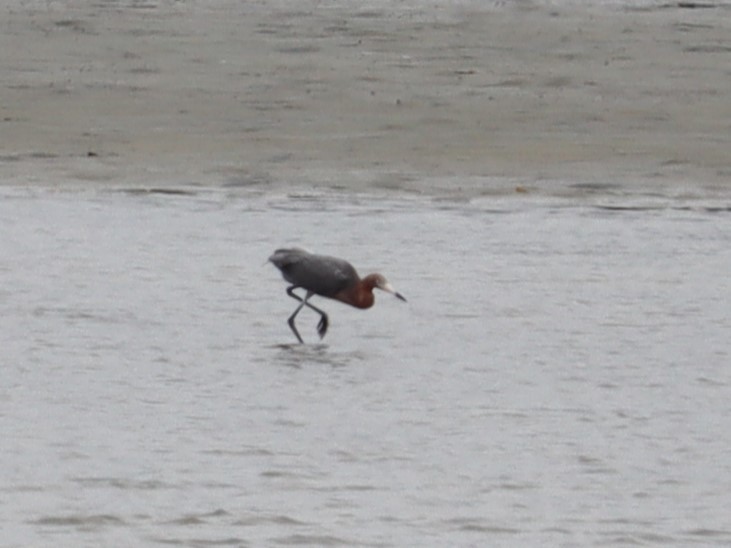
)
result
[(559, 376)]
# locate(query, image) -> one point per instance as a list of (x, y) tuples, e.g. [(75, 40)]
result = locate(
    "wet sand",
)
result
[(465, 99)]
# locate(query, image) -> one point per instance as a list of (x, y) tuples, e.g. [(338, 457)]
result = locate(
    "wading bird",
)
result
[(328, 277)]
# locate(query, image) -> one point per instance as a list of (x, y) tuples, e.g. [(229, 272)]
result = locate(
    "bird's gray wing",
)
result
[(320, 274), (282, 258)]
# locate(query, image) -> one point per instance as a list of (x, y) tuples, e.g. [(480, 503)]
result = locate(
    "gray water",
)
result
[(559, 375)]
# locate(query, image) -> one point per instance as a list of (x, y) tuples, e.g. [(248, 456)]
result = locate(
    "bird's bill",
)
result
[(389, 288)]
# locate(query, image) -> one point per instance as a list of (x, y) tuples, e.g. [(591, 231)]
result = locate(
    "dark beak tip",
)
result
[(400, 296)]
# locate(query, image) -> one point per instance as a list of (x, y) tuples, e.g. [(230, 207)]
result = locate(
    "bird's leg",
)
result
[(324, 322), (290, 321)]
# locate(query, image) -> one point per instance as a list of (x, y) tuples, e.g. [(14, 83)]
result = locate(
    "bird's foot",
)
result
[(323, 325)]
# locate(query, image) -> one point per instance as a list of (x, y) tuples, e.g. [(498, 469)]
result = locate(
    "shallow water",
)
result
[(559, 375)]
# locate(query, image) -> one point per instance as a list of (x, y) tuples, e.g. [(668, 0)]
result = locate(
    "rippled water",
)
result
[(559, 376)]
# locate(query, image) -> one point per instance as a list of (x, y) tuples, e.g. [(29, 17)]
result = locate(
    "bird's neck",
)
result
[(364, 297), (359, 295), (365, 291)]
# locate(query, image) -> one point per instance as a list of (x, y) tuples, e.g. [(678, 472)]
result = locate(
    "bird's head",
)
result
[(380, 282)]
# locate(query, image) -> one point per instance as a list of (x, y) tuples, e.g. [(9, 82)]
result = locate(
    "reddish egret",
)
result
[(328, 277)]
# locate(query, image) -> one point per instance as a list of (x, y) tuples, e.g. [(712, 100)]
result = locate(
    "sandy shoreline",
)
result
[(234, 94)]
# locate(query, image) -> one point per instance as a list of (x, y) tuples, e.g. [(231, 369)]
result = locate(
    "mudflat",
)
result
[(351, 95)]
